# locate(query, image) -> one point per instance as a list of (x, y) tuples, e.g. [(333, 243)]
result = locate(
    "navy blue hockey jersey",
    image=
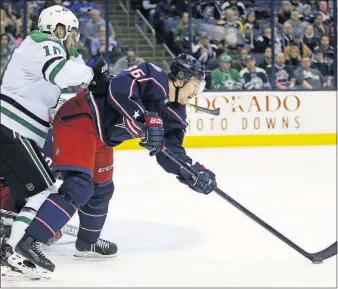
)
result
[(119, 112)]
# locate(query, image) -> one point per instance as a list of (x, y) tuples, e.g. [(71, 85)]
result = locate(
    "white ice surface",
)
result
[(169, 235)]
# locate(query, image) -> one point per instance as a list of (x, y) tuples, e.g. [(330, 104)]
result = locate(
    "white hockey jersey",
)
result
[(32, 80)]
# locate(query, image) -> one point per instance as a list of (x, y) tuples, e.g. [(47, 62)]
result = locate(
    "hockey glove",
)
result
[(102, 78), (153, 139), (204, 182)]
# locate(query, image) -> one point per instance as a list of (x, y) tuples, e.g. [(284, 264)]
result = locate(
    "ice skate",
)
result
[(30, 258), (101, 249)]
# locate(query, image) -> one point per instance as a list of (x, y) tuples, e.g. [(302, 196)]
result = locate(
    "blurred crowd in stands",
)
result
[(92, 29), (233, 39)]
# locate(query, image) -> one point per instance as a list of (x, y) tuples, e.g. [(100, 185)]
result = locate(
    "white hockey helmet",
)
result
[(52, 16)]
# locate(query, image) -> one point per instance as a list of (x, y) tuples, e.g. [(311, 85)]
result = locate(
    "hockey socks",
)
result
[(91, 223), (28, 212), (55, 212)]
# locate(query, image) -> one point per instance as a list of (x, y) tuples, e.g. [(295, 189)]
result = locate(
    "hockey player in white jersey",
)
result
[(31, 84), (45, 63)]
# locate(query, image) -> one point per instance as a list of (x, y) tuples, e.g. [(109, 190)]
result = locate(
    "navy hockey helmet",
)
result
[(183, 68)]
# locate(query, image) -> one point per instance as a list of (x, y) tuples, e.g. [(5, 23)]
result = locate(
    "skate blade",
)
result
[(12, 276), (92, 255), (27, 267), (5, 270)]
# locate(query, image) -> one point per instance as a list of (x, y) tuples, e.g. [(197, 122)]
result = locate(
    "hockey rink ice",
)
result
[(169, 235)]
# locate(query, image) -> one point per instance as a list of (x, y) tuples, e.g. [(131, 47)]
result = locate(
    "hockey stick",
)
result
[(316, 258), (206, 110)]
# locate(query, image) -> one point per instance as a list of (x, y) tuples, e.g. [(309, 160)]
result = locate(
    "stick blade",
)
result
[(216, 111), (320, 256)]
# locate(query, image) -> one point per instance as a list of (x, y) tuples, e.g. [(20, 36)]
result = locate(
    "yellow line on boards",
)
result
[(247, 140)]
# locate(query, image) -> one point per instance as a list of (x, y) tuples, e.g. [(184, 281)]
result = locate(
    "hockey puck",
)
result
[(317, 261)]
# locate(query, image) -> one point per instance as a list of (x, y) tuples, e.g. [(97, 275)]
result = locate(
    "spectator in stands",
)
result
[(19, 25), (307, 77), (81, 7), (237, 6), (266, 62), (307, 15), (5, 48), (96, 43), (167, 9), (286, 36), (33, 13), (314, 5), (239, 60), (181, 6), (204, 51), (264, 41), (295, 22), (325, 68), (293, 56), (284, 12), (102, 47), (181, 34), (297, 41), (10, 14), (284, 74), (207, 10), (249, 36), (149, 9), (233, 45), (309, 37), (231, 22), (95, 23), (251, 19), (127, 61), (296, 4), (253, 77), (323, 9), (327, 49), (319, 26), (6, 22), (332, 36), (226, 77)]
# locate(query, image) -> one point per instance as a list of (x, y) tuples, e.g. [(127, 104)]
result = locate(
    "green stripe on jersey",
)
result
[(23, 122), (23, 219), (38, 36), (56, 70), (74, 52)]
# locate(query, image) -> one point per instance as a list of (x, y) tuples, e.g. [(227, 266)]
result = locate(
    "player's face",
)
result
[(191, 89)]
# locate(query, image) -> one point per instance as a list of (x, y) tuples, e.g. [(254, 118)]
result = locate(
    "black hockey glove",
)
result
[(204, 182), (101, 79), (153, 138)]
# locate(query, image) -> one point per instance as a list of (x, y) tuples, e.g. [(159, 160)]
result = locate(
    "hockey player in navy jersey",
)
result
[(140, 102)]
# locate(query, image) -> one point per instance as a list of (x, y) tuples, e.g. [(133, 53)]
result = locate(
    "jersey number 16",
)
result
[(135, 71)]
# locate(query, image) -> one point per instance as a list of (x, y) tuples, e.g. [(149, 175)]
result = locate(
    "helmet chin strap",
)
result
[(177, 90)]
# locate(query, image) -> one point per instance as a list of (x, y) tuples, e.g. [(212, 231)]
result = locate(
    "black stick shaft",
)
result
[(251, 215), (206, 110)]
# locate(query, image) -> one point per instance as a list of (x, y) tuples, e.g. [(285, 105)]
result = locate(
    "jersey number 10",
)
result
[(56, 50), (135, 71)]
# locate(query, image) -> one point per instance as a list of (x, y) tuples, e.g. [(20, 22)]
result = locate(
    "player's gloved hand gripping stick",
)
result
[(316, 258), (203, 181), (153, 134)]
